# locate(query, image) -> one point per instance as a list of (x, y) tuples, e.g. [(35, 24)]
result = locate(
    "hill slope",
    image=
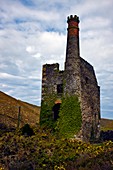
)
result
[(9, 111), (106, 124)]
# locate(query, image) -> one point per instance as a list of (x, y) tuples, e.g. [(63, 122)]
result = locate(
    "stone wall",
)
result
[(51, 78), (90, 101)]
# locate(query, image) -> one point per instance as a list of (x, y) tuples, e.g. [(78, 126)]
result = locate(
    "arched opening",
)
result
[(56, 109)]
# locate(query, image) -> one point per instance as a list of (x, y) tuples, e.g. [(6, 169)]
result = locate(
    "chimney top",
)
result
[(73, 18)]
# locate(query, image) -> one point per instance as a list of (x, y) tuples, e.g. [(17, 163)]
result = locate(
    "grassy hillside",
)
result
[(9, 110), (106, 124)]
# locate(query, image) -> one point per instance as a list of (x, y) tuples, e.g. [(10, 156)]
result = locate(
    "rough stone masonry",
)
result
[(77, 78)]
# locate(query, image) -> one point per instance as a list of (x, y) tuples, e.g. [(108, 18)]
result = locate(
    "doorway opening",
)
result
[(56, 109), (59, 88)]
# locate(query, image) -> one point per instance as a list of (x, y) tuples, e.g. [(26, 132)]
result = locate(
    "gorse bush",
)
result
[(27, 130), (44, 151)]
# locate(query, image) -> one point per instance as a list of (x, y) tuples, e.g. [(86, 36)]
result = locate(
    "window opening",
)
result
[(87, 80), (59, 88)]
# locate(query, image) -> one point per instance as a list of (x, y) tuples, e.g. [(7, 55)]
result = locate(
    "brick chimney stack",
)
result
[(72, 51)]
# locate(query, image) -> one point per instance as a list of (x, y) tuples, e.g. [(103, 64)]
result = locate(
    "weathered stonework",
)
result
[(78, 78)]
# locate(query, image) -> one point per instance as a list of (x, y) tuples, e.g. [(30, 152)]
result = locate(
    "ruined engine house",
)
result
[(77, 78)]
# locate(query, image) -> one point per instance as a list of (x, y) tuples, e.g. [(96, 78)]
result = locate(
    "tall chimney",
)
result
[(72, 51)]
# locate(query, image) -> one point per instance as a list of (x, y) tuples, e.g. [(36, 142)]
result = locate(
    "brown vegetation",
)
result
[(106, 124), (9, 110)]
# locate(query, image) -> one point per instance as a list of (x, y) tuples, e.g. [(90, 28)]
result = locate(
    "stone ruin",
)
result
[(77, 78)]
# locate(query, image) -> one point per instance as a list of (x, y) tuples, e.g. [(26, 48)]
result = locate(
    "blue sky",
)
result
[(33, 32)]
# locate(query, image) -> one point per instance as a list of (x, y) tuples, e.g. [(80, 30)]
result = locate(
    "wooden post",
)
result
[(19, 117)]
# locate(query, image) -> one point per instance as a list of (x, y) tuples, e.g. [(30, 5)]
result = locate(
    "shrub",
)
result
[(27, 130)]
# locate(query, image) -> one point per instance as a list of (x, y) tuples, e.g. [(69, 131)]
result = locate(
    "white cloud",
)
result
[(30, 49), (37, 55), (8, 76), (4, 85)]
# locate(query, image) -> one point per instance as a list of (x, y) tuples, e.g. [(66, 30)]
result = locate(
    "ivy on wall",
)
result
[(46, 115), (70, 120)]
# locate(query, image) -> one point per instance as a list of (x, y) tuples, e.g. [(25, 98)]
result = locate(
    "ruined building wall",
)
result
[(78, 78), (90, 101), (51, 78)]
